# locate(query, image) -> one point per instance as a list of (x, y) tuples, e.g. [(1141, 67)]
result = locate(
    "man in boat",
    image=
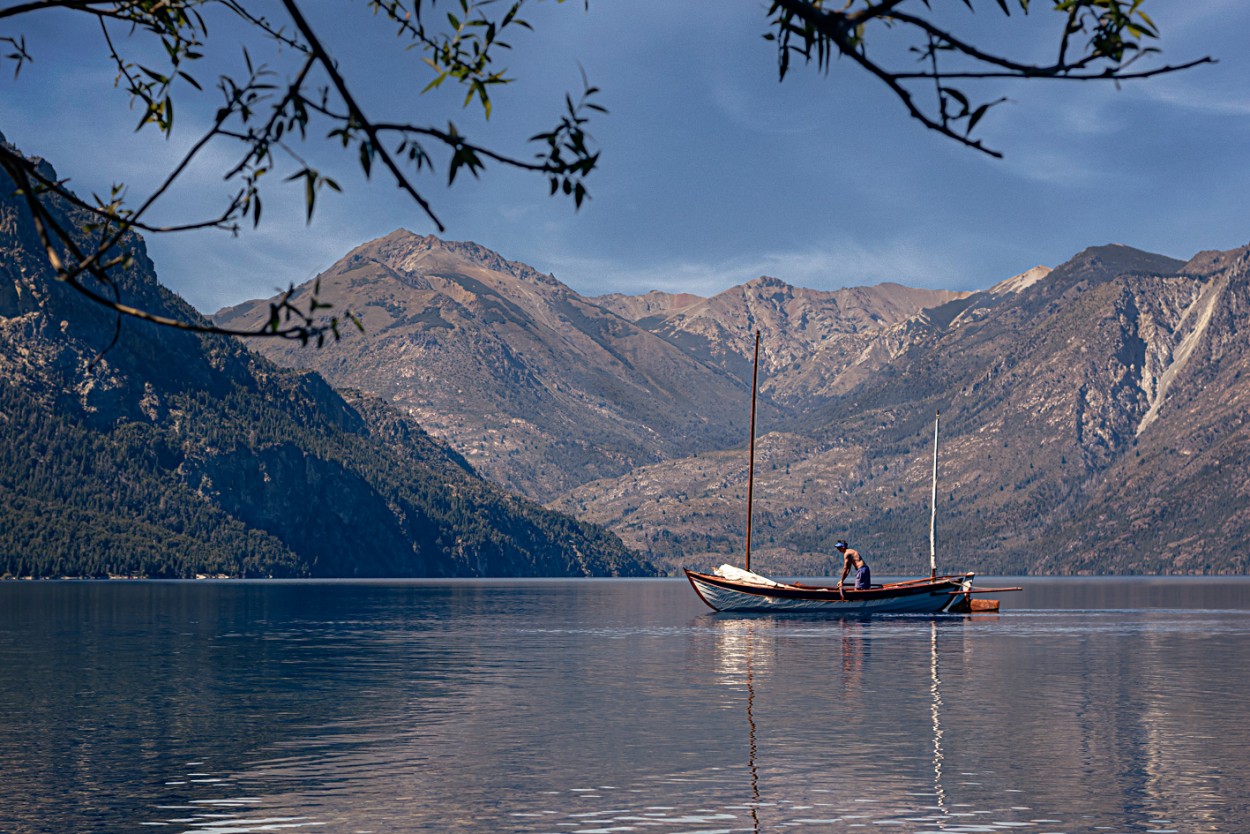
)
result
[(852, 559)]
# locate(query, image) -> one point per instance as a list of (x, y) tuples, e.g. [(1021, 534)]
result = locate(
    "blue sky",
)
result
[(713, 173)]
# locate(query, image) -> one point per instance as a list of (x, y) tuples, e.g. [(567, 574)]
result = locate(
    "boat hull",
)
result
[(927, 596)]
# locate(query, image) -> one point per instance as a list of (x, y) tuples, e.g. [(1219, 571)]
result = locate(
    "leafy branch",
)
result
[(1101, 40), (270, 119), (76, 265)]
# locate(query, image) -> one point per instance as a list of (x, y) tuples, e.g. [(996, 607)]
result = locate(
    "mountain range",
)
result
[(167, 453), (490, 420), (1092, 415)]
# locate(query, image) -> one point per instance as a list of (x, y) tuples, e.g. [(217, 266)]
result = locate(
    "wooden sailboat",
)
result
[(735, 589)]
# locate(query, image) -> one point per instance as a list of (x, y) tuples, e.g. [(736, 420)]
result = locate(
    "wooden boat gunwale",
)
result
[(800, 591), (829, 598)]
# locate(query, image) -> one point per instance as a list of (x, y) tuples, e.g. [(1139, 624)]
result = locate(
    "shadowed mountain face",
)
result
[(172, 454)]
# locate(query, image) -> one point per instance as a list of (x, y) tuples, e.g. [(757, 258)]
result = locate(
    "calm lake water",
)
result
[(617, 706)]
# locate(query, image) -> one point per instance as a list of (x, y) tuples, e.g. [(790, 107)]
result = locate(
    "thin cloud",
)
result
[(842, 265), (1200, 99), (739, 106), (1044, 165)]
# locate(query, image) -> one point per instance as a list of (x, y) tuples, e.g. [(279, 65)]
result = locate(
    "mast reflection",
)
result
[(747, 650)]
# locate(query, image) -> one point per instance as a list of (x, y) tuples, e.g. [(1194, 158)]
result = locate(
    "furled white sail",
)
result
[(740, 575)]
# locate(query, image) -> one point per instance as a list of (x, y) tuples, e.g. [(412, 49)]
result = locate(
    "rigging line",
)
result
[(933, 504)]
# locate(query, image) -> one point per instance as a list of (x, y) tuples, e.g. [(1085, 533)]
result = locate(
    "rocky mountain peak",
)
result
[(767, 282), (1211, 262), (1020, 283), (1101, 263), (407, 251)]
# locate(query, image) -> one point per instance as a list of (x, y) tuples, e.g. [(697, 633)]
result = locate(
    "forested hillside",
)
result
[(170, 454)]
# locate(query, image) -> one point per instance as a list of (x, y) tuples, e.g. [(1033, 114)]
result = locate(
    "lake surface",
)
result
[(617, 706)]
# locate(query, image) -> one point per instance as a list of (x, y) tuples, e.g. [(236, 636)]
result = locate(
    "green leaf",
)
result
[(957, 95), (976, 116)]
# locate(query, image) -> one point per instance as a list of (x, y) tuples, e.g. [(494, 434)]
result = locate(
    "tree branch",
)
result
[(824, 30), (357, 114), (47, 227)]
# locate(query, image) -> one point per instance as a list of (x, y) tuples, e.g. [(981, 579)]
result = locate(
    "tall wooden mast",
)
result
[(755, 376)]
